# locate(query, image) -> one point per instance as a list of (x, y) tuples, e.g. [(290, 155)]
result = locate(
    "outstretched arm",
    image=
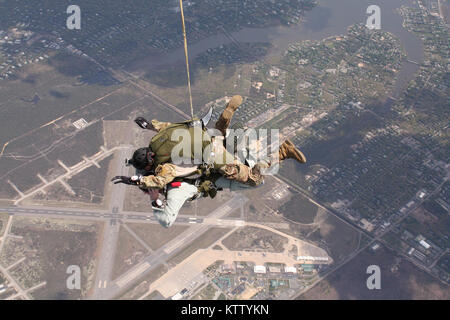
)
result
[(164, 174)]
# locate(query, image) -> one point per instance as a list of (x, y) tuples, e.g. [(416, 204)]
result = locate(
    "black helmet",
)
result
[(141, 158)]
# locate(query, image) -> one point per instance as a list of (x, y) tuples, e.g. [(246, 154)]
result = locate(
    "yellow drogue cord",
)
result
[(187, 59)]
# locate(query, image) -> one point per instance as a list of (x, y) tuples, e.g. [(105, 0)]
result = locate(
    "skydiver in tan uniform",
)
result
[(233, 175)]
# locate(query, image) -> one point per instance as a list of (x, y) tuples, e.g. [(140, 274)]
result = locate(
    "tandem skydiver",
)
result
[(217, 169)]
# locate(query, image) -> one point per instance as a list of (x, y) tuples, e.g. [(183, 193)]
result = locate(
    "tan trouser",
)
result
[(233, 169), (224, 121)]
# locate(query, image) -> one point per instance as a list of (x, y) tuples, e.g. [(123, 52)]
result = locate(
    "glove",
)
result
[(134, 180), (158, 204), (208, 189), (204, 169), (141, 122)]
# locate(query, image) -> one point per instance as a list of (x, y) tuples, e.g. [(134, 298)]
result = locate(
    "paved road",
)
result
[(92, 215), (104, 286), (163, 254), (110, 231), (15, 284)]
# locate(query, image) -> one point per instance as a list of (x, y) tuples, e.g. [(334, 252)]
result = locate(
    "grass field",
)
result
[(299, 209), (207, 293), (50, 246), (154, 235), (129, 252)]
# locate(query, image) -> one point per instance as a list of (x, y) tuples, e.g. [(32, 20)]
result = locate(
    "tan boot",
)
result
[(225, 118), (289, 151)]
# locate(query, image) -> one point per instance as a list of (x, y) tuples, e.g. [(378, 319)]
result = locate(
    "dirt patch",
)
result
[(155, 295), (299, 209), (202, 242), (143, 284), (129, 253), (235, 214), (3, 221), (264, 202), (50, 246), (423, 216), (251, 238), (154, 235), (207, 293)]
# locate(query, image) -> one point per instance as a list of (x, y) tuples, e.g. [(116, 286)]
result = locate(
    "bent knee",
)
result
[(164, 219), (165, 222)]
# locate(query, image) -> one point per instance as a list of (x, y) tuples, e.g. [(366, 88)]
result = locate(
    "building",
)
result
[(375, 247), (239, 289), (178, 296), (240, 265), (307, 267), (424, 244), (223, 282), (248, 293), (419, 255), (277, 283), (228, 268), (259, 269), (421, 195), (274, 269), (290, 269), (366, 225), (312, 258)]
